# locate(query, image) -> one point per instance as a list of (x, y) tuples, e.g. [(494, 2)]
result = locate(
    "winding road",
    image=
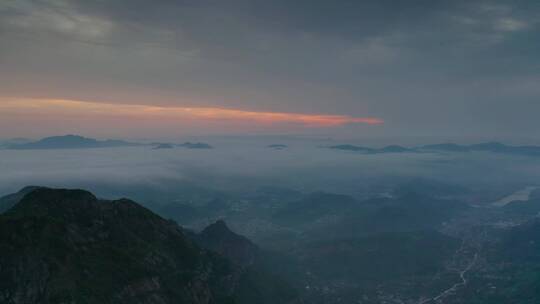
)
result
[(463, 282), (451, 290)]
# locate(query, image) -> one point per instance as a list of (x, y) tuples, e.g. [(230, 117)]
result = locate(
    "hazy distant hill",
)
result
[(449, 147), (313, 208), (352, 148), (277, 146), (190, 145), (394, 149), (380, 257), (387, 149), (70, 142), (495, 147), (163, 146), (66, 246)]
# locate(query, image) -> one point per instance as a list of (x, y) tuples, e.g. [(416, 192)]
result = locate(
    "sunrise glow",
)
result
[(70, 108)]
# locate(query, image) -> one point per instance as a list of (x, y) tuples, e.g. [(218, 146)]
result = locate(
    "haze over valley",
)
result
[(269, 151)]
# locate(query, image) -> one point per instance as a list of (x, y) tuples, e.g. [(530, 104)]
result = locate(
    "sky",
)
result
[(134, 68)]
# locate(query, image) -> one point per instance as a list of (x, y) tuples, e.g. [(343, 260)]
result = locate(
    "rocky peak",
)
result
[(219, 238)]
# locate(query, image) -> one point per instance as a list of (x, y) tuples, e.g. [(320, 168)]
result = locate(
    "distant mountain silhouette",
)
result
[(190, 145), (313, 207), (277, 146), (446, 147), (70, 142), (394, 149), (352, 148), (494, 147), (387, 149)]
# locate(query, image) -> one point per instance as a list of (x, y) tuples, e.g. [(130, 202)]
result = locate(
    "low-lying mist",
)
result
[(244, 165)]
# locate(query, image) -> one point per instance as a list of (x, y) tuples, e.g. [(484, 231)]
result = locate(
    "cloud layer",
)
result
[(424, 67)]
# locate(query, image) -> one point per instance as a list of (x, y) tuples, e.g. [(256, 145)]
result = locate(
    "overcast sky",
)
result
[(362, 67)]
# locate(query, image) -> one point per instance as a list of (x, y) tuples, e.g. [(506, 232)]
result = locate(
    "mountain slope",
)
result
[(256, 283), (219, 238), (66, 246), (8, 201)]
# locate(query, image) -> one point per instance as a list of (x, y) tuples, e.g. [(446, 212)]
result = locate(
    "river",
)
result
[(520, 195)]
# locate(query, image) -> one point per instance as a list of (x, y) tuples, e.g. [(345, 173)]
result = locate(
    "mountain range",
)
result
[(70, 142), (198, 145), (80, 142), (494, 147)]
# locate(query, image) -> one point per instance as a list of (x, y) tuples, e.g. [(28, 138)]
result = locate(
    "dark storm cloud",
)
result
[(425, 67)]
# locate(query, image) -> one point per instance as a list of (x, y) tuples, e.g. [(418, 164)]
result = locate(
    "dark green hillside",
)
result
[(10, 200), (383, 257), (66, 246)]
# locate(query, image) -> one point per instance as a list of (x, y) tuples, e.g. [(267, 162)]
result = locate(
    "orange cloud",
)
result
[(77, 108)]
